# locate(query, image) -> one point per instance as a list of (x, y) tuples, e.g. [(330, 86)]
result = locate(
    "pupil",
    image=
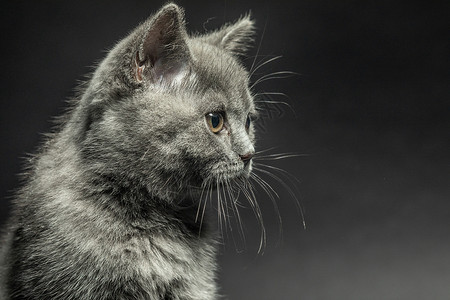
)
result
[(215, 120)]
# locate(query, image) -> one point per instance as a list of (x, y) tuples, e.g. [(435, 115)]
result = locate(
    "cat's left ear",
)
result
[(162, 52), (235, 38)]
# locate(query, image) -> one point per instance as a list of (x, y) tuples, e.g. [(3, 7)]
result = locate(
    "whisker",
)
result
[(236, 214), (200, 202), (264, 63), (278, 156), (265, 108), (288, 175), (287, 187), (271, 93), (274, 75), (269, 190), (219, 208), (267, 98), (257, 211), (264, 150), (225, 208), (208, 193), (259, 46)]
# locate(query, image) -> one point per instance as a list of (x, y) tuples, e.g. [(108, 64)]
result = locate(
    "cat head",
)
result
[(168, 110)]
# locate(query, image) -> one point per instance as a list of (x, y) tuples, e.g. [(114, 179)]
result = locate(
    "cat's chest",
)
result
[(163, 257), (170, 264)]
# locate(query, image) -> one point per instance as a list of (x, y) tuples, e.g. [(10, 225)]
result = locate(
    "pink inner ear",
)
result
[(139, 72), (169, 73), (161, 71), (163, 32), (164, 51), (139, 67)]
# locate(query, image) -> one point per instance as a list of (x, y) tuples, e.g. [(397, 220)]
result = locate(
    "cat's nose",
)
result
[(246, 158)]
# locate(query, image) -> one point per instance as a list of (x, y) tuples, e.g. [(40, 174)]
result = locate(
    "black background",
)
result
[(371, 111)]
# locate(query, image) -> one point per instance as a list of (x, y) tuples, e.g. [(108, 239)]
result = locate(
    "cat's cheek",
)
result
[(225, 137)]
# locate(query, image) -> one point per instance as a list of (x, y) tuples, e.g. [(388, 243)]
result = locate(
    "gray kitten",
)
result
[(112, 204)]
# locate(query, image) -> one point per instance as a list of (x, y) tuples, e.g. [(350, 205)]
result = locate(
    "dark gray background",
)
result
[(372, 110)]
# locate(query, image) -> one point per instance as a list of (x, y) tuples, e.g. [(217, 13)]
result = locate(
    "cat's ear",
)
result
[(162, 51), (235, 38)]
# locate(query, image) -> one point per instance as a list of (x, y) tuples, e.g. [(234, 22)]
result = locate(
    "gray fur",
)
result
[(109, 210)]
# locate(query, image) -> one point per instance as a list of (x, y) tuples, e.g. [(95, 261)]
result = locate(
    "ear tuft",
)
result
[(235, 38)]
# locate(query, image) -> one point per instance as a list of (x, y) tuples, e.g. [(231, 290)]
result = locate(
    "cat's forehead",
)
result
[(234, 104), (221, 79)]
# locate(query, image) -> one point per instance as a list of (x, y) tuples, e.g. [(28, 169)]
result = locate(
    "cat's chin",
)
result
[(230, 177), (229, 172)]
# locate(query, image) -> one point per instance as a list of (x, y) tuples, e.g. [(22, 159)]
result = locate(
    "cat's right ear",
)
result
[(162, 51), (235, 38)]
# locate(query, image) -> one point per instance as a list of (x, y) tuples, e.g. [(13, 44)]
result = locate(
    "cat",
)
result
[(112, 205)]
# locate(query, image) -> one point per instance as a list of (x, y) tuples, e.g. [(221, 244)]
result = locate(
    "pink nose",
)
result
[(246, 157)]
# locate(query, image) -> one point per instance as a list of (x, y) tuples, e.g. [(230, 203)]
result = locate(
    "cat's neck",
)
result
[(144, 209), (131, 201)]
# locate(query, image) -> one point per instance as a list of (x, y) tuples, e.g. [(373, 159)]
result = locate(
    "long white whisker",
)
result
[(269, 190), (236, 214), (288, 175), (208, 192), (290, 191), (248, 195), (274, 75), (259, 46), (264, 63), (278, 156), (219, 208), (200, 201), (265, 150), (225, 207), (271, 93), (257, 211)]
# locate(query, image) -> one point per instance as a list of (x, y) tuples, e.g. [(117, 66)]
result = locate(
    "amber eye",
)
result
[(215, 121)]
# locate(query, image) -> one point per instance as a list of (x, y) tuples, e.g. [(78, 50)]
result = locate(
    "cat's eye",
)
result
[(247, 123), (214, 121)]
